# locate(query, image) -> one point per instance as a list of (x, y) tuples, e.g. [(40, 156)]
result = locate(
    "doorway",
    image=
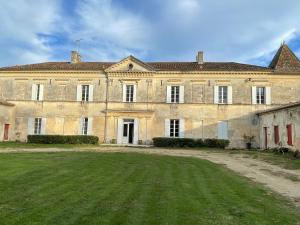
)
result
[(6, 132), (128, 131), (266, 137)]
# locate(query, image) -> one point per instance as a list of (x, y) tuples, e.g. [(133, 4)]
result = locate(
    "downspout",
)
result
[(106, 108)]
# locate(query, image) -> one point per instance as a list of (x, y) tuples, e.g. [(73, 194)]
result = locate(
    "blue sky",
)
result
[(248, 31)]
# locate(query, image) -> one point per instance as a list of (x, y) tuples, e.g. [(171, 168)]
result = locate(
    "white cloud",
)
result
[(21, 23)]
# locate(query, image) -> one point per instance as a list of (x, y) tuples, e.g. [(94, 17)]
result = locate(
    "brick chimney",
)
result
[(75, 57), (200, 57)]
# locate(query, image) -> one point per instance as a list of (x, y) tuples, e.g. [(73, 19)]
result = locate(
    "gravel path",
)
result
[(283, 181)]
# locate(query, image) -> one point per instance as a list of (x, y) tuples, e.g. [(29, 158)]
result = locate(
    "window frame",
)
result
[(129, 93), (260, 95), (223, 94), (175, 94), (174, 129), (37, 126), (84, 126), (85, 89)]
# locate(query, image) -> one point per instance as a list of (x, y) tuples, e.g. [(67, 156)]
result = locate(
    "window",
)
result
[(175, 94), (129, 93), (223, 93), (223, 130), (85, 93), (289, 134), (84, 125), (260, 95), (276, 135), (37, 126), (37, 92), (174, 128)]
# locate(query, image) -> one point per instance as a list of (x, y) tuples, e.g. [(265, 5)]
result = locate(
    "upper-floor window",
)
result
[(85, 93), (223, 92), (37, 126), (175, 94), (129, 93), (37, 92), (260, 95), (223, 95)]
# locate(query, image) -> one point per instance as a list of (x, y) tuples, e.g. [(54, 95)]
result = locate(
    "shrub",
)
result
[(62, 139), (189, 142)]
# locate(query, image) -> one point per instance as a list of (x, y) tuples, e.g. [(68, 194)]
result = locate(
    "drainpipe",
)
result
[(106, 108)]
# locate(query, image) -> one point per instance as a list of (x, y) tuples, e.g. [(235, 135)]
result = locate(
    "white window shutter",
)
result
[(120, 131), (124, 92), (90, 126), (222, 130), (216, 94), (254, 95), (181, 128), (168, 100), (43, 126), (30, 126), (134, 93), (229, 97), (41, 92), (136, 132), (34, 92), (79, 93), (91, 93), (268, 96), (80, 126), (181, 94), (167, 127)]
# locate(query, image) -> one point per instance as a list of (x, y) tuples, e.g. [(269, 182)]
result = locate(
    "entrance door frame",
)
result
[(120, 130), (266, 137), (128, 131)]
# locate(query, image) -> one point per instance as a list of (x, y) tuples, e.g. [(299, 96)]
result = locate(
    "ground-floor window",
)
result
[(222, 130), (37, 126), (84, 125), (174, 128)]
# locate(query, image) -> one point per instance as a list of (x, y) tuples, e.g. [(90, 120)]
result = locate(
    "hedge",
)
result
[(62, 139), (189, 142)]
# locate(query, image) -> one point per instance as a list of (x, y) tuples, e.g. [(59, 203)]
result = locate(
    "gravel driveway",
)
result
[(272, 176)]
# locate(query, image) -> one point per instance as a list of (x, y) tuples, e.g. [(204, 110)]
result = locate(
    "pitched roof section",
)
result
[(158, 66), (285, 60)]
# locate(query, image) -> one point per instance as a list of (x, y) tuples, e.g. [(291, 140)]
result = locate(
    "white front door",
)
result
[(127, 131)]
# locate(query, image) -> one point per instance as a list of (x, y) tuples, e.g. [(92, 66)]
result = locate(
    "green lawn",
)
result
[(12, 144), (126, 188)]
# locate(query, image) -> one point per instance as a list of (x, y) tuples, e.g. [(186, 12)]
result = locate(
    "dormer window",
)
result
[(130, 67)]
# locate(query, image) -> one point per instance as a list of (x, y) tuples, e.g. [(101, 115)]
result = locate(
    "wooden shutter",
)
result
[(229, 95), (289, 134), (43, 126), (268, 95), (254, 95), (91, 93), (79, 93), (30, 126), (181, 94), (167, 127), (41, 92), (181, 128), (134, 93), (124, 92), (168, 99), (216, 94), (136, 132), (276, 135), (90, 126), (120, 131), (34, 92)]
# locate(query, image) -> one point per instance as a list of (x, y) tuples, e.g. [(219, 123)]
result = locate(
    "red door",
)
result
[(289, 134), (6, 130), (266, 137)]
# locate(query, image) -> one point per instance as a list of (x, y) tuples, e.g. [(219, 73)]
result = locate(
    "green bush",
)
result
[(62, 139), (189, 142)]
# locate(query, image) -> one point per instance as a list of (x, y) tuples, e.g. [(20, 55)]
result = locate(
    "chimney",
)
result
[(200, 57), (75, 57)]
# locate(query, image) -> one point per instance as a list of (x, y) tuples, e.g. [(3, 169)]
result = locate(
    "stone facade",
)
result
[(149, 113), (285, 121)]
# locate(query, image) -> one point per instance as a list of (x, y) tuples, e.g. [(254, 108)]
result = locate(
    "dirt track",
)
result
[(272, 176)]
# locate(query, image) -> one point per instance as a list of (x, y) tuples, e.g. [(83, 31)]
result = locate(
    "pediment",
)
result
[(130, 64)]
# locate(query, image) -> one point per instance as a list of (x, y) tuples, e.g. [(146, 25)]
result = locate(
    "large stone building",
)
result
[(130, 102)]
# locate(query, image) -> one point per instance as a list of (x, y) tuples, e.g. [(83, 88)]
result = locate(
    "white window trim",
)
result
[(133, 94)]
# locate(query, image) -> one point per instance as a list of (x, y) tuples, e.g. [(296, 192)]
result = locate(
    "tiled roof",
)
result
[(159, 66), (285, 60), (286, 106)]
